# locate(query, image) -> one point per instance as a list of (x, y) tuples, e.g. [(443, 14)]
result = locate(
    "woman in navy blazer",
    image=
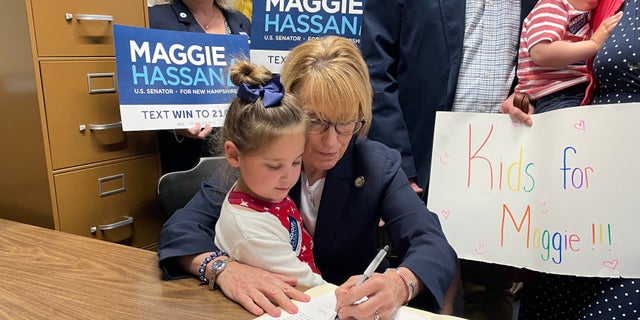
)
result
[(361, 182), (181, 149)]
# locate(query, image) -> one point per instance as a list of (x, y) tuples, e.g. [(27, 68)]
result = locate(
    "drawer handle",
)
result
[(124, 222), (106, 126), (104, 227), (102, 75), (89, 17), (102, 180)]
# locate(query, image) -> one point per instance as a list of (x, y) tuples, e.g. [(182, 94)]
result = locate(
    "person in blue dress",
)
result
[(616, 79)]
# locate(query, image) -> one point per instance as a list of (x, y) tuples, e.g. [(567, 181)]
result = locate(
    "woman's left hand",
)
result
[(386, 294)]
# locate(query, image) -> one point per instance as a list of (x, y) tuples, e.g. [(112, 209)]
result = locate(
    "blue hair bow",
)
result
[(271, 93)]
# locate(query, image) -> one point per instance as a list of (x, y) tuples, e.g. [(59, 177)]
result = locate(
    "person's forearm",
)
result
[(191, 263), (407, 283), (188, 263), (562, 53), (418, 286)]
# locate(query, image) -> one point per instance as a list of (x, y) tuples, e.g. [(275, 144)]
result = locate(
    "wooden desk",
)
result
[(48, 274)]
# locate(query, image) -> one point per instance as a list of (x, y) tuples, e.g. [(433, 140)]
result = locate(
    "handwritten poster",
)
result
[(558, 197), (171, 79), (279, 25)]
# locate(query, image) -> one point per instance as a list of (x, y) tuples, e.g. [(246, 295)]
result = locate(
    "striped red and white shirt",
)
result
[(551, 20)]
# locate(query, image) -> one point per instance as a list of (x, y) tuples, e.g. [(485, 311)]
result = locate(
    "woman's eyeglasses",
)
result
[(319, 126)]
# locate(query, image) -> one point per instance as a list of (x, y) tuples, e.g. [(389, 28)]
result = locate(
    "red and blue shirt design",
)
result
[(289, 216)]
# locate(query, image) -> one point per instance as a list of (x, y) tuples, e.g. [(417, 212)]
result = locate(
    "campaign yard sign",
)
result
[(279, 25), (171, 79), (557, 197)]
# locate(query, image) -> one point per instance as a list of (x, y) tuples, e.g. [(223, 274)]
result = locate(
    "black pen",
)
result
[(371, 268)]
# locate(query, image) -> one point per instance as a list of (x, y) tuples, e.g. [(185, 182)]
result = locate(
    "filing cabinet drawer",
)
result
[(67, 28), (114, 202), (83, 114)]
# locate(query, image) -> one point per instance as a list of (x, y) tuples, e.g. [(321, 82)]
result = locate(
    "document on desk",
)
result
[(323, 302)]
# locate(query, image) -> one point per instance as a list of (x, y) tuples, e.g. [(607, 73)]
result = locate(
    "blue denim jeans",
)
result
[(569, 97)]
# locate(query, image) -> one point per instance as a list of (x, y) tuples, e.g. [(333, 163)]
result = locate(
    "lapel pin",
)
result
[(359, 182), (183, 15)]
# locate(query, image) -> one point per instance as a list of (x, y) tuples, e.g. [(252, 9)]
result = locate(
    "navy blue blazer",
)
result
[(414, 50), (178, 17), (345, 235)]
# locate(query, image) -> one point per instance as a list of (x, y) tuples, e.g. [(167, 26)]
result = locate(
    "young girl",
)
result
[(556, 41), (264, 137)]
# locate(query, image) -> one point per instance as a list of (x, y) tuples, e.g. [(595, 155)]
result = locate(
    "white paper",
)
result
[(322, 308), (558, 197)]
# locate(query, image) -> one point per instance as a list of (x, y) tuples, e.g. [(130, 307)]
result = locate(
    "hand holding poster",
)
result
[(171, 80), (557, 197)]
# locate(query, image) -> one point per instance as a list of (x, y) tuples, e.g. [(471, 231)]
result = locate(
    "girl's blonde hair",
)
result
[(250, 125), (331, 79)]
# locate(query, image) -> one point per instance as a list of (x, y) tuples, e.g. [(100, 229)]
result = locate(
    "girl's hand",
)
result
[(605, 29)]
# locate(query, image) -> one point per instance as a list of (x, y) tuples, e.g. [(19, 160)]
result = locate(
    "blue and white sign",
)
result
[(279, 25), (171, 79)]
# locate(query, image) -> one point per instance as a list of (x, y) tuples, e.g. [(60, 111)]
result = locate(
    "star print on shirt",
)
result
[(289, 216)]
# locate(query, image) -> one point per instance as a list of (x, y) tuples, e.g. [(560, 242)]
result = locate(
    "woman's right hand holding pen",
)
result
[(386, 293)]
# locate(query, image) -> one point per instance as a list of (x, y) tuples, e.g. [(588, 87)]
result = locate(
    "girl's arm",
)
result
[(563, 53)]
